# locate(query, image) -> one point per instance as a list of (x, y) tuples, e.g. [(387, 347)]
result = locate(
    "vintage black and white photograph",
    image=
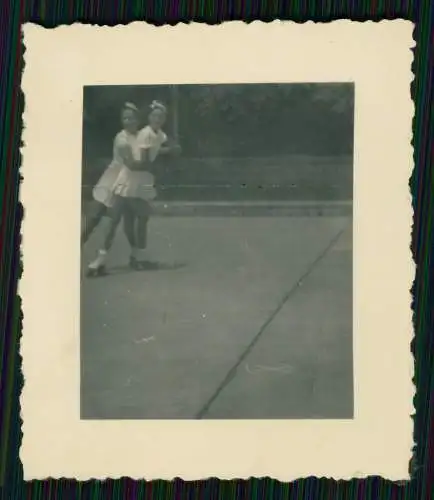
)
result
[(216, 249)]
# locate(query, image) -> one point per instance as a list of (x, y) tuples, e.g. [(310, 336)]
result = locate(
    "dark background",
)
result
[(240, 142)]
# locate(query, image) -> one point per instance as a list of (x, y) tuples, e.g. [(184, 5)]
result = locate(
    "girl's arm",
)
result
[(128, 159), (144, 164)]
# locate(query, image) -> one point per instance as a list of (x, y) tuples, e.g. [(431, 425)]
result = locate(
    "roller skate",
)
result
[(134, 264), (137, 263), (97, 268)]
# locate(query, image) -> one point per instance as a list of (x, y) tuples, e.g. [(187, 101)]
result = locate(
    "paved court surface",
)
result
[(243, 317)]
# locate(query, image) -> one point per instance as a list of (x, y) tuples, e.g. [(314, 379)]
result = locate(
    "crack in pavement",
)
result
[(231, 373)]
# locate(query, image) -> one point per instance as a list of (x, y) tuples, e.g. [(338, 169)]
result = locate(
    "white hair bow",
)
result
[(158, 105), (130, 105)]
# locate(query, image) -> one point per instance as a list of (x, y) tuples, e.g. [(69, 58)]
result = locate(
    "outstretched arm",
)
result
[(126, 154), (129, 160), (145, 163)]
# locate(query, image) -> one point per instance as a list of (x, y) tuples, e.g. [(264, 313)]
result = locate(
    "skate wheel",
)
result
[(96, 273)]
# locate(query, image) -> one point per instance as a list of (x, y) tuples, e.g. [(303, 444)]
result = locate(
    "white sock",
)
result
[(99, 261)]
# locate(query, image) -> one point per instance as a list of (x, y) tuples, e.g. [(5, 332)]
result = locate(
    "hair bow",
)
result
[(130, 105), (158, 105)]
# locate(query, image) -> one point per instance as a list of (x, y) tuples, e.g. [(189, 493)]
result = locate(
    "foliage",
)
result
[(233, 120), (249, 120)]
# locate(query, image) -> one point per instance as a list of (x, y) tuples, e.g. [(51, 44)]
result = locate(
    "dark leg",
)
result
[(137, 260), (92, 219), (116, 213), (142, 231), (130, 232), (141, 210), (129, 223)]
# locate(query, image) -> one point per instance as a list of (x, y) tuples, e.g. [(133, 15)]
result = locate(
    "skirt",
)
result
[(103, 191), (132, 184)]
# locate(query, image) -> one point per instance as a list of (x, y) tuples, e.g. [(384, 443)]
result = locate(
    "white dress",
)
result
[(103, 191), (140, 184)]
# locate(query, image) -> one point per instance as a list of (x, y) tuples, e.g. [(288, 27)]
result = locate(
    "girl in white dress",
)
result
[(153, 144), (103, 192), (134, 188)]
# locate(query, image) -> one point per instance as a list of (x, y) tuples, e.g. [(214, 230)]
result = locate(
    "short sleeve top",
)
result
[(122, 139), (147, 138)]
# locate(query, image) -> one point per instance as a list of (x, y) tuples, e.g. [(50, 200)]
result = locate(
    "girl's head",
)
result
[(157, 116), (130, 117)]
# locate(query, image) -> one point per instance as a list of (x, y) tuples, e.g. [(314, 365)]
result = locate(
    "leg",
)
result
[(142, 231), (92, 219), (116, 213), (129, 222), (137, 260), (143, 211), (97, 267)]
